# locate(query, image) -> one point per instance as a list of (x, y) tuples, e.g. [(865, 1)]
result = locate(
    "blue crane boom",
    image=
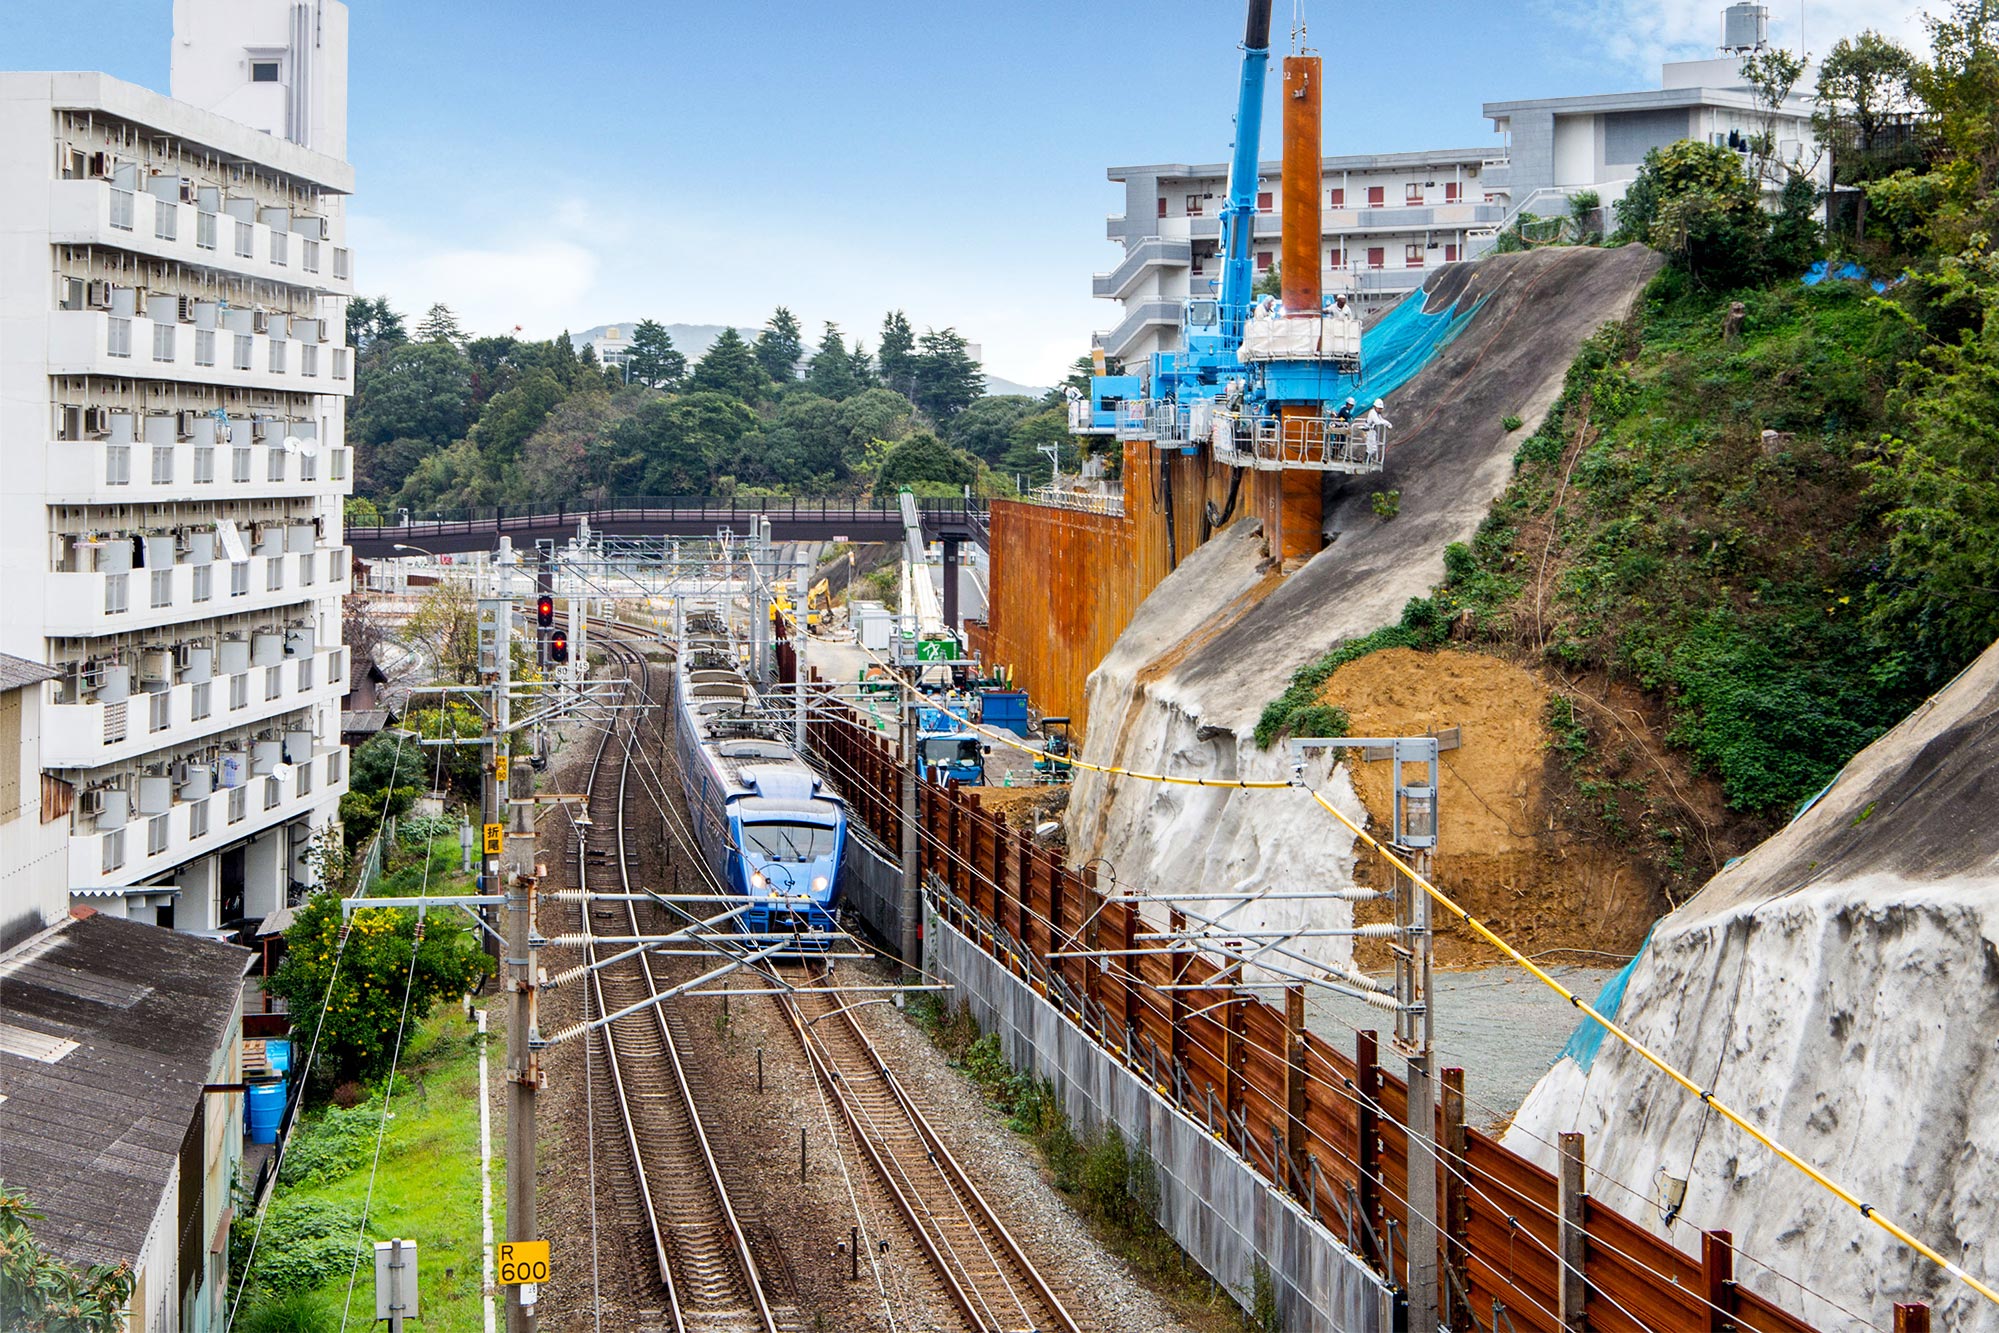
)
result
[(1239, 213)]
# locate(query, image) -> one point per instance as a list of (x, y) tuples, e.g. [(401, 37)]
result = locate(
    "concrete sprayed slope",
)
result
[(1221, 636), (1839, 986)]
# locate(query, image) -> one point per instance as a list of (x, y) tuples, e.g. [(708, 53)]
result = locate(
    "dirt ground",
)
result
[(1538, 881)]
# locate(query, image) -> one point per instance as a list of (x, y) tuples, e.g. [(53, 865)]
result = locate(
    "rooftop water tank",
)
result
[(1745, 27)]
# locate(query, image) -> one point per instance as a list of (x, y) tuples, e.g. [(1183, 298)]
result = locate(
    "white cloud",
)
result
[(1639, 34)]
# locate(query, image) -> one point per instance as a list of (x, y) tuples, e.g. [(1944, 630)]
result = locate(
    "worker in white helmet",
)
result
[(1346, 410), (1377, 426)]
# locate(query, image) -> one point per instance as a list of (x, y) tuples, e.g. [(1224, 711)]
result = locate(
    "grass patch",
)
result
[(426, 1190)]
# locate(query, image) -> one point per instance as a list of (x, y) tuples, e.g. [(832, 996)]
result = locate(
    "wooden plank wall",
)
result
[(1322, 1123)]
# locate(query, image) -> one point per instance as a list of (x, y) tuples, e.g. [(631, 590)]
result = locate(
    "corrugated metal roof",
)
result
[(93, 1137)]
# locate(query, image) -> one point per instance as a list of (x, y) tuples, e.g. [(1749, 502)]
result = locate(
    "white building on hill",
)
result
[(173, 378)]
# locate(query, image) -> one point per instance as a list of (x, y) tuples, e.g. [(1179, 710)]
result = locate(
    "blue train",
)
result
[(762, 817)]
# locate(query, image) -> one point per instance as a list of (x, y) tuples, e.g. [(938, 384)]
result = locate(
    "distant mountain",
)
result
[(693, 340)]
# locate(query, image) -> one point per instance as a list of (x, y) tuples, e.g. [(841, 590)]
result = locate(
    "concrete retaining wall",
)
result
[(1210, 1200)]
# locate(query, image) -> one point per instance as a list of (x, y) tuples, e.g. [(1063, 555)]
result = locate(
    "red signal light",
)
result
[(544, 611), (558, 646)]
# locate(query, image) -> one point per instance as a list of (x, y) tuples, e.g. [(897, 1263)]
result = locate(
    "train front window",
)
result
[(788, 842)]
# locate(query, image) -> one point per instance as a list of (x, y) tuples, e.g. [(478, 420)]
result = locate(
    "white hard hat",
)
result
[(1349, 400), (1377, 402)]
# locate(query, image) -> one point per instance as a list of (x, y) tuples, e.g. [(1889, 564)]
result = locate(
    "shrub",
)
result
[(293, 1312), (1386, 504), (304, 1243), (329, 1145), (1510, 423)]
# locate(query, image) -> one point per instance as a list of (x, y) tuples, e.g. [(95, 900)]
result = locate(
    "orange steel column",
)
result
[(1296, 494)]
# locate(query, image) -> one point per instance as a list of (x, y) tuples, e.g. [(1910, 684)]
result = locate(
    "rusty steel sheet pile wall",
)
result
[(1065, 583), (1321, 1125)]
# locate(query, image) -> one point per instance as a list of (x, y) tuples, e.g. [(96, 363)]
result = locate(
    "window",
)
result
[(1193, 205), (166, 221), (204, 582), (239, 574), (1376, 196), (1335, 257), (304, 781), (115, 594), (795, 843), (1451, 253), (278, 356), (200, 700), (1377, 256), (274, 571), (333, 766), (280, 247), (1412, 255), (163, 465), (121, 209), (197, 820), (263, 71), (204, 347), (340, 363), (343, 263), (1412, 193), (118, 465), (304, 674), (239, 465), (163, 588), (1263, 201), (157, 835), (159, 710), (334, 560), (274, 683), (241, 358), (1162, 205), (204, 465), (308, 467), (307, 570), (238, 799), (246, 240), (114, 850), (118, 338), (204, 231), (339, 456), (1264, 259), (1338, 198), (309, 256), (1452, 190), (308, 360), (273, 792), (274, 467), (239, 690), (163, 342)]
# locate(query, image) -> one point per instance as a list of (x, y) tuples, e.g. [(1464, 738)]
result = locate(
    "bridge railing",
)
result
[(639, 508)]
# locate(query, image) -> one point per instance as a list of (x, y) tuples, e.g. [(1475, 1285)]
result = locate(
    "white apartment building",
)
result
[(1388, 219), (173, 377)]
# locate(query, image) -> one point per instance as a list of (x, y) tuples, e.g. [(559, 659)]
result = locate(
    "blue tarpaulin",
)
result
[(1589, 1034), (1402, 342), (1846, 272)]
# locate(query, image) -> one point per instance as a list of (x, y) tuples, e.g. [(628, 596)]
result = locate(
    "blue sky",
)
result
[(705, 163)]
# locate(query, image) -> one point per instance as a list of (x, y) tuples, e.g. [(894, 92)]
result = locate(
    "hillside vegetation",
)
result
[(1772, 509), (443, 420)]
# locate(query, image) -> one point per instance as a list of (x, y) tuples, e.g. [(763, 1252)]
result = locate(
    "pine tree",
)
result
[(730, 367), (440, 326), (831, 374), (896, 356), (652, 359), (947, 379), (863, 367), (779, 346)]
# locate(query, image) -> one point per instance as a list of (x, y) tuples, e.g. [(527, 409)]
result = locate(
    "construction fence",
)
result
[(1522, 1252)]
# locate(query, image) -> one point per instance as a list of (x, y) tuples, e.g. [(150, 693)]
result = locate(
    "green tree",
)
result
[(895, 357), (730, 367), (873, 414), (863, 367), (985, 429), (1959, 86), (653, 360), (1772, 74), (39, 1293), (511, 417), (1863, 91), (676, 446), (1796, 240), (360, 512), (948, 380), (1693, 201), (565, 460), (444, 627), (922, 457), (371, 321), (1270, 282), (779, 347), (440, 325), (357, 1011), (1023, 457), (803, 446), (831, 374), (415, 390)]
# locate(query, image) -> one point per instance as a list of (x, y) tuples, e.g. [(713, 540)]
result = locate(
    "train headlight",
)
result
[(819, 884), (757, 879)]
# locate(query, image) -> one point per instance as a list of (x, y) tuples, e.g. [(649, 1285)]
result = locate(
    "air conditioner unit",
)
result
[(184, 424), (97, 295), (102, 164), (184, 309), (189, 191), (90, 802), (260, 321), (96, 421), (325, 228)]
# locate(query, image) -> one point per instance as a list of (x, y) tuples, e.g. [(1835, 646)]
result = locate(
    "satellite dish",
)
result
[(292, 443), (281, 771), (308, 449)]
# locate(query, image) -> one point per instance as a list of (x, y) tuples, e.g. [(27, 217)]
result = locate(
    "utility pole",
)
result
[(911, 899), (496, 632), (801, 611)]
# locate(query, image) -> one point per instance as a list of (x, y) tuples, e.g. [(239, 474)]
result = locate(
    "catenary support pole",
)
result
[(911, 941), (1570, 1227)]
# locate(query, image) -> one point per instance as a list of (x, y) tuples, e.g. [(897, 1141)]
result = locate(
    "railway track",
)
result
[(674, 1198), (988, 1275)]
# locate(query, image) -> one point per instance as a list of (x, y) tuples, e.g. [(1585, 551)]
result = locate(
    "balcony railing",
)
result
[(100, 471), (82, 604), (83, 342), (87, 211)]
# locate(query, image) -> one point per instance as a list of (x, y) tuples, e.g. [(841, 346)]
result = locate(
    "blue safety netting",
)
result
[(1583, 1042), (1846, 272), (1404, 340)]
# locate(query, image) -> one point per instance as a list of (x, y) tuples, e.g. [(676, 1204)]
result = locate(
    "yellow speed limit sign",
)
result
[(495, 837), (523, 1261), (500, 768)]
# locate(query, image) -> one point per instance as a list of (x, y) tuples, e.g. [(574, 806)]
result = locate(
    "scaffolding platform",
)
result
[(1305, 444)]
